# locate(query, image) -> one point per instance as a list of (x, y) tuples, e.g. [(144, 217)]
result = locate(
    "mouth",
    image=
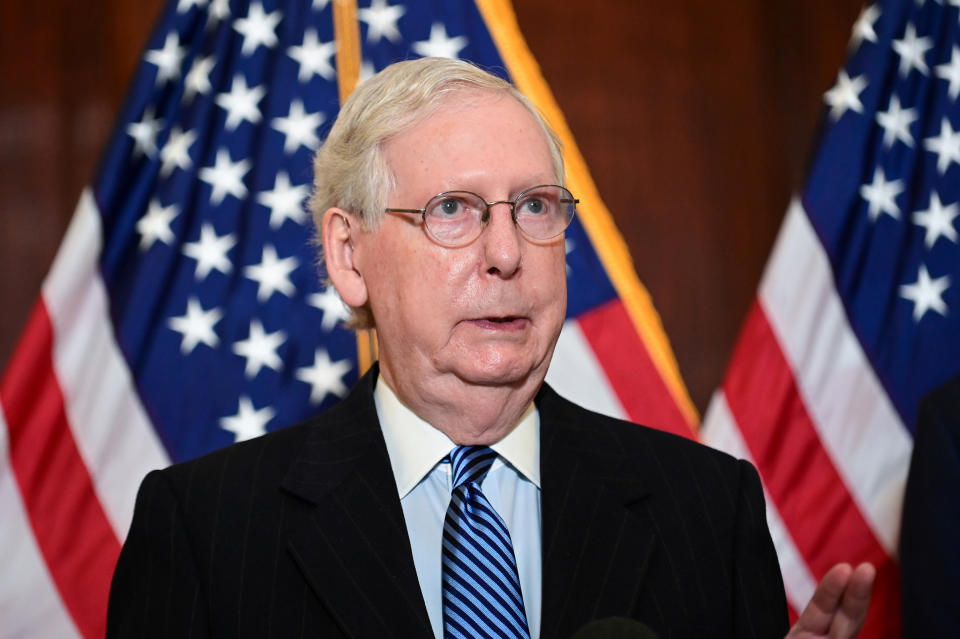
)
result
[(501, 323)]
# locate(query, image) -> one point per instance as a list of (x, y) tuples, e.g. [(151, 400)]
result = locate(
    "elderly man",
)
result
[(452, 493)]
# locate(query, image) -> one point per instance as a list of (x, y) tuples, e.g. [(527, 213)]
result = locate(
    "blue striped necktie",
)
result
[(481, 589)]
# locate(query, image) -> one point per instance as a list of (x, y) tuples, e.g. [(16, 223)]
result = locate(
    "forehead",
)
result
[(472, 136)]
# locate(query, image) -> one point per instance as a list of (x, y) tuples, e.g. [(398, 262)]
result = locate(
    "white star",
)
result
[(198, 77), (225, 177), (946, 146), (168, 59), (185, 5), (196, 326), (144, 134), (258, 28), (155, 224), (176, 152), (325, 377), (241, 102), (440, 45), (334, 310), (926, 294), (937, 220), (863, 27), (210, 251), (882, 196), (260, 349), (313, 56), (896, 123), (951, 72), (218, 10), (845, 94), (911, 50), (320, 5), (381, 21), (299, 128), (285, 201), (248, 422), (272, 274)]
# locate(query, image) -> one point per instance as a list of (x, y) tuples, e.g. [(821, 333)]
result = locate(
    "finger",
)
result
[(855, 603), (819, 614)]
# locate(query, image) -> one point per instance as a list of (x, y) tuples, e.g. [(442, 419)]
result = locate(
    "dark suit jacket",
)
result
[(300, 534), (929, 552)]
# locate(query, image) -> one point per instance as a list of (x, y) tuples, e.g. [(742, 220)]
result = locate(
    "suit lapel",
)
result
[(350, 539), (597, 537)]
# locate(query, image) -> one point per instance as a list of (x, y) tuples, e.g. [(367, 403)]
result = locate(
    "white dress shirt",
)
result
[(512, 486)]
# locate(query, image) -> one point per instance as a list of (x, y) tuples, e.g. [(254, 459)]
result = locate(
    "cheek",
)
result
[(425, 288), (453, 282), (388, 276), (553, 296), (551, 284)]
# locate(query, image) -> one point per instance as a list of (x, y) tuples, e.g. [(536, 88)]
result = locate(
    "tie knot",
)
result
[(470, 464)]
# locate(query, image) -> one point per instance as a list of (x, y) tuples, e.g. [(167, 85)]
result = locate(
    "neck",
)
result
[(469, 414)]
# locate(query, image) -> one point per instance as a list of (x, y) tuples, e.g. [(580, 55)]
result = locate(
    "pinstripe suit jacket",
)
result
[(300, 534)]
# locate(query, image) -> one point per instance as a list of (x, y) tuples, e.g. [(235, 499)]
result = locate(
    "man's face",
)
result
[(487, 313)]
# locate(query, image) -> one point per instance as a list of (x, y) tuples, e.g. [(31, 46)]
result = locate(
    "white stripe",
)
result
[(30, 605), (576, 374), (856, 422), (720, 431), (113, 434)]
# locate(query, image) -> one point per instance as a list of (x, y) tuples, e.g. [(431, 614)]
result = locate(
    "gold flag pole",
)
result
[(346, 32)]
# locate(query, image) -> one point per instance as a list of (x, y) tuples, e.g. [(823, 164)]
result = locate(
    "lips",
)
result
[(501, 323)]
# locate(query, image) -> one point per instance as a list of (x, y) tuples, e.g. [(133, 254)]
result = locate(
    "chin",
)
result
[(499, 373)]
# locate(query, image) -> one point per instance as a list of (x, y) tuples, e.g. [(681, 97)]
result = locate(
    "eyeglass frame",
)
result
[(485, 216)]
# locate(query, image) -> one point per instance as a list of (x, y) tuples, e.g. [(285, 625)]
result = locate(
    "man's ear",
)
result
[(340, 230)]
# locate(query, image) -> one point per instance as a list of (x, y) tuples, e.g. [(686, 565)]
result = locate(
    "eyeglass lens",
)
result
[(458, 217)]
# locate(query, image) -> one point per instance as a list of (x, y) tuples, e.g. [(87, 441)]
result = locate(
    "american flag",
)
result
[(184, 311), (858, 313)]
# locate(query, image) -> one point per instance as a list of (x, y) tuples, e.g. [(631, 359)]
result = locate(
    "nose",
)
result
[(502, 243)]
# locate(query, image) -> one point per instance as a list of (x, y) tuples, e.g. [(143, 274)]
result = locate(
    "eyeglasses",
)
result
[(457, 218)]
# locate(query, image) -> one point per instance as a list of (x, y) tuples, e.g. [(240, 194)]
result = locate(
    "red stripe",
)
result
[(814, 503), (630, 371), (78, 544)]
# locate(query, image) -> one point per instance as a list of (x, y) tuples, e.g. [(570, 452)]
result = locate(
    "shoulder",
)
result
[(227, 475), (683, 480), (702, 509), (594, 433), (264, 463), (942, 404)]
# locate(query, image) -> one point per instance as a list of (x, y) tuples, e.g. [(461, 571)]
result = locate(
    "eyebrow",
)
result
[(529, 184)]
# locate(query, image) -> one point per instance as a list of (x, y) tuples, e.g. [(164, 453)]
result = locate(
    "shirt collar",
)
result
[(415, 446)]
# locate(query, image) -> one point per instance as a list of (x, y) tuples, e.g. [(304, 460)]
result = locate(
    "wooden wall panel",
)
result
[(696, 119)]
